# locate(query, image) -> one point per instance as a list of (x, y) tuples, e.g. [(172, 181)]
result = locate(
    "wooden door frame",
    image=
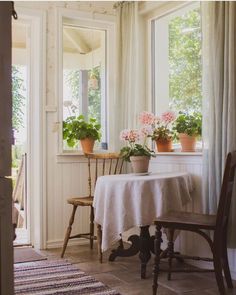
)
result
[(6, 226)]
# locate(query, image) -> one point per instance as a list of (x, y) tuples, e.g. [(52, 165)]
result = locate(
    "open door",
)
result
[(6, 227)]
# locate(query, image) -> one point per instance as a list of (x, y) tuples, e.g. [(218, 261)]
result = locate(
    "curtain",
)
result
[(130, 74), (219, 97)]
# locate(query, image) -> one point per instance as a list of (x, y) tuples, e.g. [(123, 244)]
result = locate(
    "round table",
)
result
[(124, 201)]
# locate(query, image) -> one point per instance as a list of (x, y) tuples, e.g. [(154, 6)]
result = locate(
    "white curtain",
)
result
[(219, 96), (130, 75)]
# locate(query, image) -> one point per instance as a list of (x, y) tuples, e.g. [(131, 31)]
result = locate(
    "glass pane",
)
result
[(84, 68), (185, 71)]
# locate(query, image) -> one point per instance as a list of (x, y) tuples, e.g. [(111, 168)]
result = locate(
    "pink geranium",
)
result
[(146, 118), (124, 135), (168, 117), (132, 135), (146, 131)]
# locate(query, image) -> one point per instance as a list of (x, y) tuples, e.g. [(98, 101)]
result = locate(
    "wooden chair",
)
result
[(105, 164), (198, 223)]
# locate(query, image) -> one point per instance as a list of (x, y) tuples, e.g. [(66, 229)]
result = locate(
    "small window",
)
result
[(177, 68), (84, 76)]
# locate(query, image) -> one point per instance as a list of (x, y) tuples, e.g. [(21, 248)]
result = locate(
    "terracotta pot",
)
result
[(140, 163), (188, 143), (87, 145), (164, 145)]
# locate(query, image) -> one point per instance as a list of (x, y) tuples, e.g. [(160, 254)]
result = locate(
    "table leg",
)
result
[(122, 252), (145, 247)]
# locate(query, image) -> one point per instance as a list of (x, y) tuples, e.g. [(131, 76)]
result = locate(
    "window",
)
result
[(84, 74), (177, 71)]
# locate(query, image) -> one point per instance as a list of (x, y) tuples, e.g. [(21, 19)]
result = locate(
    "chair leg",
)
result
[(157, 250), (226, 264), (218, 271), (99, 241), (68, 232), (170, 252), (91, 238)]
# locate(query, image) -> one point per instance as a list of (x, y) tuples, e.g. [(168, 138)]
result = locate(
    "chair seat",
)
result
[(185, 220), (83, 201)]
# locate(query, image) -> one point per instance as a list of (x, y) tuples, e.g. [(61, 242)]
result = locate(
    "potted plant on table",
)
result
[(162, 132), (77, 128), (189, 127), (136, 152)]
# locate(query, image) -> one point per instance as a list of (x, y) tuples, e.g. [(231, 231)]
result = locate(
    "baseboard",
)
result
[(58, 243)]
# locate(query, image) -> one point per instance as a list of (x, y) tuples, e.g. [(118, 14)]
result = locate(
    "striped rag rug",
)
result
[(56, 277)]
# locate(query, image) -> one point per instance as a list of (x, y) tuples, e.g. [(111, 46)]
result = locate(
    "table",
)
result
[(128, 200)]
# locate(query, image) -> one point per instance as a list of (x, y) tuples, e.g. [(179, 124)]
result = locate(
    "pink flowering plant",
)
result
[(136, 140), (162, 127)]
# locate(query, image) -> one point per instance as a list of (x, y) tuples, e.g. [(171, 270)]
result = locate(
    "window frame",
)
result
[(89, 20)]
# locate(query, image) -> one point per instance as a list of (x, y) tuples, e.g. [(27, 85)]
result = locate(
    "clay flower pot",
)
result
[(87, 145), (140, 163), (188, 143), (164, 145)]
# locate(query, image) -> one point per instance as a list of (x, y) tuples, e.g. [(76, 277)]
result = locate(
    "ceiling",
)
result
[(81, 40)]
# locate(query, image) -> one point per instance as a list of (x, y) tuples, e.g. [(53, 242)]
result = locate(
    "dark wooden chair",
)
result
[(104, 164), (198, 223)]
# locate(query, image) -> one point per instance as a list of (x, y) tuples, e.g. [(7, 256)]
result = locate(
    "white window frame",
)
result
[(96, 21)]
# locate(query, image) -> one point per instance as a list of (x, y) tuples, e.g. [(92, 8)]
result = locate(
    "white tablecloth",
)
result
[(127, 200)]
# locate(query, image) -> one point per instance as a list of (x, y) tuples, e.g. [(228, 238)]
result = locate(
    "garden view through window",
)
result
[(84, 73), (177, 61)]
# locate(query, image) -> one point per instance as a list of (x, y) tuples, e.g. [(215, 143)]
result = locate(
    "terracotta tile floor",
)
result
[(123, 274)]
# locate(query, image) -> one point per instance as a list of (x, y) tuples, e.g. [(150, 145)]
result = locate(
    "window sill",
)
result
[(178, 153)]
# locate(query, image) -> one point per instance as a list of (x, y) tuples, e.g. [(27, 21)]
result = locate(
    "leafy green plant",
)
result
[(190, 124), (76, 128), (133, 148), (136, 150)]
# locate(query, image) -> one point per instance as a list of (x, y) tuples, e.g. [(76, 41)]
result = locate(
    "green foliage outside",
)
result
[(185, 74), (94, 95), (18, 113), (76, 128), (72, 78), (18, 99)]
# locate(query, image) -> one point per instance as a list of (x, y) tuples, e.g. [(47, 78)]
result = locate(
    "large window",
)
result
[(177, 71), (84, 75)]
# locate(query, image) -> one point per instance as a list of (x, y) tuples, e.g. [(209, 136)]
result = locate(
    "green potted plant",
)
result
[(135, 152), (188, 127), (77, 128)]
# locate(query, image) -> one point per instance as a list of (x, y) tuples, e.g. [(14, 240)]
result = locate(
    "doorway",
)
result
[(29, 58), (21, 140)]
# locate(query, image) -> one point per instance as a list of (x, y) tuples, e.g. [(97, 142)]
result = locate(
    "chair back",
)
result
[(225, 196), (100, 164)]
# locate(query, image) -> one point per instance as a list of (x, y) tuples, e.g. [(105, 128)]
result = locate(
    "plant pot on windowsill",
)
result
[(87, 145), (140, 164), (164, 145), (77, 128), (188, 142)]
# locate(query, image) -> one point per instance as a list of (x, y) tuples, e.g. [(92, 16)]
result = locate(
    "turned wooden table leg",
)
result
[(99, 240)]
